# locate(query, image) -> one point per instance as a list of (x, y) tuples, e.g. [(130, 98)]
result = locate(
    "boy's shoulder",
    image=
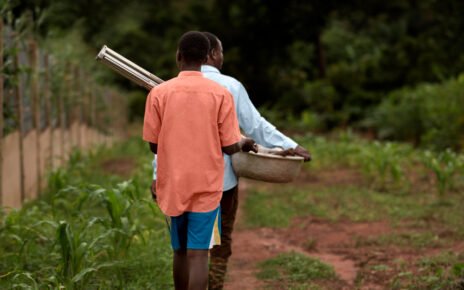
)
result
[(215, 86), (230, 80), (164, 85), (230, 83), (163, 88)]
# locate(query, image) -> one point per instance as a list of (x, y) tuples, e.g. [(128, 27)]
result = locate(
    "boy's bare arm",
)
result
[(153, 147), (245, 145)]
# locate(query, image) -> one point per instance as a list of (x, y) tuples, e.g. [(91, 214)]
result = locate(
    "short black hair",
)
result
[(193, 47), (213, 41)]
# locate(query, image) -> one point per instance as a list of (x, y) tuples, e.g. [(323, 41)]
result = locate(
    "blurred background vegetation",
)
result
[(389, 69)]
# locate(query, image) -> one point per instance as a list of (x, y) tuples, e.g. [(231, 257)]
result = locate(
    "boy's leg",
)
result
[(203, 233), (178, 229), (220, 254), (197, 269), (180, 270)]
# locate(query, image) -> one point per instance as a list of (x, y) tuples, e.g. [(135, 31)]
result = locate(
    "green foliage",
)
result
[(278, 211), (277, 207), (94, 236), (418, 240), (76, 263), (386, 165), (429, 115), (446, 166), (443, 271), (334, 60), (383, 163), (295, 271)]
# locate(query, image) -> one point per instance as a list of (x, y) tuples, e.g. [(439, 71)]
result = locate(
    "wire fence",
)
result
[(50, 107)]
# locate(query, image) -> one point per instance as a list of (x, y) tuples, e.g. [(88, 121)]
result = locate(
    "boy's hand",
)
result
[(287, 152), (153, 190), (248, 144), (300, 151)]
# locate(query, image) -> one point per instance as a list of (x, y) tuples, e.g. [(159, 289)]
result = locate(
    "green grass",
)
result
[(100, 231), (295, 271), (443, 271), (401, 189), (387, 166), (276, 207), (90, 229), (406, 239)]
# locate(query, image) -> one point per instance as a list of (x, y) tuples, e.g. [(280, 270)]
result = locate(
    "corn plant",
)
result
[(383, 162), (78, 256), (445, 166), (118, 202)]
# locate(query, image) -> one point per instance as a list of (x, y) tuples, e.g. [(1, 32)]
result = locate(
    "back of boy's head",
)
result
[(213, 40), (193, 47)]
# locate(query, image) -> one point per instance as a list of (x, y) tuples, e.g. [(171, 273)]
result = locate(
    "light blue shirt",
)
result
[(249, 120)]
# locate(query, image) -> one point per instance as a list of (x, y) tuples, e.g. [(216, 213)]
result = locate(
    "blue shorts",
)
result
[(196, 230)]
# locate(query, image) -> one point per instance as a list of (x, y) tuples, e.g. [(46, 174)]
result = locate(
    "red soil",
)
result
[(343, 244)]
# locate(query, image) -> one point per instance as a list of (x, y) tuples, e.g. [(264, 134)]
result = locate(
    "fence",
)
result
[(50, 107)]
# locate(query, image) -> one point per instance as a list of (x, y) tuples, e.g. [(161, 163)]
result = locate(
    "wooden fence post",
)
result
[(78, 107), (86, 110), (48, 110), (60, 116), (36, 110), (19, 110), (93, 114), (1, 110), (69, 108)]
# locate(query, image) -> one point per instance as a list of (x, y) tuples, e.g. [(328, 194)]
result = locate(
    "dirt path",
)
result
[(252, 246), (354, 249), (328, 244)]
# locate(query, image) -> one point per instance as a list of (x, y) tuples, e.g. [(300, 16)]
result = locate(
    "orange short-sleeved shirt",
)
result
[(190, 118)]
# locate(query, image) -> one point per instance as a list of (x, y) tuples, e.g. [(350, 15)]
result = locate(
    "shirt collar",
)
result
[(209, 68), (190, 73)]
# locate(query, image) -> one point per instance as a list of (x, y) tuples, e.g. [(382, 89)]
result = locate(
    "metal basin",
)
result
[(267, 167)]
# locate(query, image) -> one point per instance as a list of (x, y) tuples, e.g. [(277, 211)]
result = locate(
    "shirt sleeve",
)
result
[(229, 131), (258, 128), (152, 119)]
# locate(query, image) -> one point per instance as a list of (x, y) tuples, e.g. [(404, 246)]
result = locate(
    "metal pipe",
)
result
[(127, 68), (133, 65)]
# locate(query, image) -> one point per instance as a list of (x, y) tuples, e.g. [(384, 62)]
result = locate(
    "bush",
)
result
[(429, 115)]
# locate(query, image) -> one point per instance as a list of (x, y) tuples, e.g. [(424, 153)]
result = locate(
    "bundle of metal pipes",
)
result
[(127, 68)]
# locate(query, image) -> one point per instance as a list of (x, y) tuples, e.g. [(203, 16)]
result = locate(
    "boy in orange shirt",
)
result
[(189, 122)]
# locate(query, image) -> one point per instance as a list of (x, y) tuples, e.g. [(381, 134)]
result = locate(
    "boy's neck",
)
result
[(190, 67)]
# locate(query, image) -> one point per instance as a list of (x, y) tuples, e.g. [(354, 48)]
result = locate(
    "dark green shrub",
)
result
[(429, 115)]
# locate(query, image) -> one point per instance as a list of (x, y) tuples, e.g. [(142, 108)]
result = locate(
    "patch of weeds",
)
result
[(96, 231), (276, 207), (269, 208), (406, 239), (272, 209), (295, 271), (310, 245), (380, 268), (444, 271)]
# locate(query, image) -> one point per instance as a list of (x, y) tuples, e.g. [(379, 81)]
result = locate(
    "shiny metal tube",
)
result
[(127, 68)]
